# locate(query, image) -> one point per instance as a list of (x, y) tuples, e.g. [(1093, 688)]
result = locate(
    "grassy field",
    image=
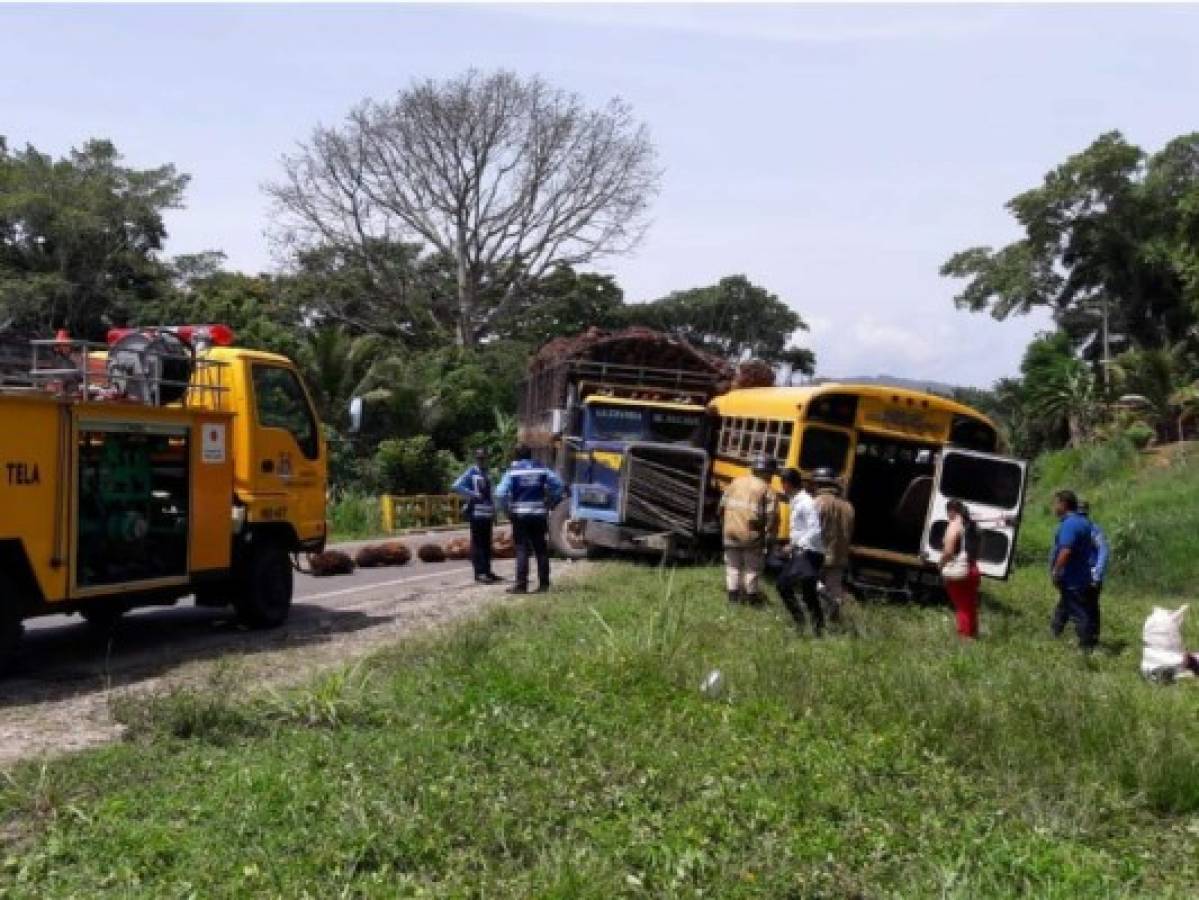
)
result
[(562, 748)]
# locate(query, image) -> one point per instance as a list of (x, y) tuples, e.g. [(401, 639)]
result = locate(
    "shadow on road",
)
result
[(73, 659)]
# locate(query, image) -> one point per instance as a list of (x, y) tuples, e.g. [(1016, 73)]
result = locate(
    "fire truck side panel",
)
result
[(33, 499), (208, 494), (212, 494)]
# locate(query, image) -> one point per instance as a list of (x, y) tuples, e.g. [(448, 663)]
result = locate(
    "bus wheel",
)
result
[(262, 598), (565, 542), (11, 626)]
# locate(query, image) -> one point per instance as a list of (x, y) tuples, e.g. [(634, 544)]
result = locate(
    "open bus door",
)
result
[(992, 487)]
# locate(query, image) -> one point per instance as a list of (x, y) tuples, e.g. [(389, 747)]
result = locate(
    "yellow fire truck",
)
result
[(165, 463)]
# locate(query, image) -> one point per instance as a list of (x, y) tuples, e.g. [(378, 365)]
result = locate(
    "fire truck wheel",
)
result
[(563, 542), (263, 595), (11, 627)]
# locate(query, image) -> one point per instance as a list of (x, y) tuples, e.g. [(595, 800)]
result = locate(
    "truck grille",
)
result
[(665, 488)]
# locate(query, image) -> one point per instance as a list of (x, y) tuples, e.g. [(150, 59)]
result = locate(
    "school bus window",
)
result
[(823, 449), (973, 434), (784, 451), (759, 438), (988, 481), (746, 440), (836, 409), (770, 443)]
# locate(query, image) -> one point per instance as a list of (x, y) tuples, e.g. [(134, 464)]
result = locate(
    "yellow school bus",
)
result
[(901, 456)]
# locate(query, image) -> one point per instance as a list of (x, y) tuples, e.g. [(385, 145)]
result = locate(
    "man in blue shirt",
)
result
[(528, 491), (1070, 569), (475, 485)]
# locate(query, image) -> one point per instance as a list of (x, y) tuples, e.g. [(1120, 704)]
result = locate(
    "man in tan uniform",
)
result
[(749, 512), (836, 527)]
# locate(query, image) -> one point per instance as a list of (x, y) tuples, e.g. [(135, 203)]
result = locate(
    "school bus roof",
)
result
[(782, 402), (634, 401)]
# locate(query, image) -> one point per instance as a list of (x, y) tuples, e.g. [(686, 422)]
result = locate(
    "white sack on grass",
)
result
[(1163, 653)]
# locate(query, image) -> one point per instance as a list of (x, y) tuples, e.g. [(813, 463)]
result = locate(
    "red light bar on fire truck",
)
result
[(219, 335)]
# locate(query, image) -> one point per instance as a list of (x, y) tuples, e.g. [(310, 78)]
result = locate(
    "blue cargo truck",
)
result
[(622, 419)]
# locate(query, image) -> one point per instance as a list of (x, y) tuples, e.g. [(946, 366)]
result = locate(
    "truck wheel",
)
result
[(564, 543), (262, 598), (11, 626)]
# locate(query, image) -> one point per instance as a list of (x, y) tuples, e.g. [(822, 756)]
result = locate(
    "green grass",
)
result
[(355, 517), (563, 749)]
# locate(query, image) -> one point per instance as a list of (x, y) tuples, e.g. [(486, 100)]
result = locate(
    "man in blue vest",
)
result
[(1070, 569), (528, 491), (475, 485)]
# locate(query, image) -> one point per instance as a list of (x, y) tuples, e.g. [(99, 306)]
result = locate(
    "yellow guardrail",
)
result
[(422, 511)]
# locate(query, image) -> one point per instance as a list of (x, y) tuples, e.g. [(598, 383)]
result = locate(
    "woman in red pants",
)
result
[(959, 567)]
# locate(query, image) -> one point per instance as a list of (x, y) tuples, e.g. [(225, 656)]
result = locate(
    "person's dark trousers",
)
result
[(480, 546), (529, 535), (803, 571), (1080, 605)]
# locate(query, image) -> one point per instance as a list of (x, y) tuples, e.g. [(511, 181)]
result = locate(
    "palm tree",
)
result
[(1185, 400), (1065, 392), (340, 365), (1156, 375)]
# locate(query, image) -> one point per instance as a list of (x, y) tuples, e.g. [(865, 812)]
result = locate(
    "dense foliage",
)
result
[(1111, 247)]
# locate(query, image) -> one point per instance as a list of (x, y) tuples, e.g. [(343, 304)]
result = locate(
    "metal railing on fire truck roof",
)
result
[(154, 366)]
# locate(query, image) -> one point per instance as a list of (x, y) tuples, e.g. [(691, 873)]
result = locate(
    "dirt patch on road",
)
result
[(66, 705)]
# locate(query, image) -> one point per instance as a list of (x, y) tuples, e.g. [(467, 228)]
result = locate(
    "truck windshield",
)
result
[(611, 423), (668, 427)]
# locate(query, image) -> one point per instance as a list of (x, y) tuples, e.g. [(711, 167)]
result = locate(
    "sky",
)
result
[(836, 155)]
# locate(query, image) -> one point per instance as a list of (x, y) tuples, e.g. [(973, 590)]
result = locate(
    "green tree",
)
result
[(1061, 391), (254, 306), (339, 366), (1155, 375), (564, 302), (80, 238), (732, 318), (410, 466), (1107, 230), (1184, 403), (389, 289)]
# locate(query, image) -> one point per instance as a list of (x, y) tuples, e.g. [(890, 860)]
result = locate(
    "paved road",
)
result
[(60, 649), (59, 699)]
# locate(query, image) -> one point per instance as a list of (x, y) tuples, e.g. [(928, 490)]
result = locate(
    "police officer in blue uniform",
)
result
[(528, 491), (475, 485)]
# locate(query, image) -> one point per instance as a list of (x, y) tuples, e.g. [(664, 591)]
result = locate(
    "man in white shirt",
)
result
[(807, 554)]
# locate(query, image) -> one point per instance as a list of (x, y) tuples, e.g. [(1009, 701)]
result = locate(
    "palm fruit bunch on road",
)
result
[(331, 562), (430, 553), (457, 548), (502, 546)]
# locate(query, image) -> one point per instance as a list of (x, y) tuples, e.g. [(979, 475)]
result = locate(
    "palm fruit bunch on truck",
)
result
[(163, 463), (620, 416)]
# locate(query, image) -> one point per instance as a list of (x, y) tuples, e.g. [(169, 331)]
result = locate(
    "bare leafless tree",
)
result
[(506, 176)]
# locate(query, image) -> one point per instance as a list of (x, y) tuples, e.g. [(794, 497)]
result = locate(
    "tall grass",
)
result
[(353, 515)]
